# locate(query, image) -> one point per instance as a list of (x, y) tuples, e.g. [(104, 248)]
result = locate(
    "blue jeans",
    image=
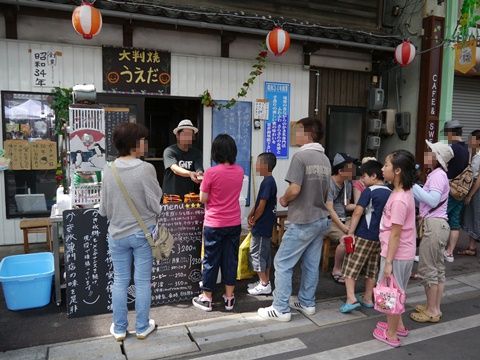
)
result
[(300, 241), (122, 251), (221, 251)]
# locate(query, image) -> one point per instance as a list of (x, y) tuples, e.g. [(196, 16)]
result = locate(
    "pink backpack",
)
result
[(389, 298)]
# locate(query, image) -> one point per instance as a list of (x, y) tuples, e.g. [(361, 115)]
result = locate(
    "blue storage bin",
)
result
[(27, 280)]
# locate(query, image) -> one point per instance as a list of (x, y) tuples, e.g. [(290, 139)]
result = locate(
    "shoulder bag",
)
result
[(462, 183), (160, 239)]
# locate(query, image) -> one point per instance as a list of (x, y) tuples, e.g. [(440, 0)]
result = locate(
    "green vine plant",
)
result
[(469, 17), (62, 99), (257, 70)]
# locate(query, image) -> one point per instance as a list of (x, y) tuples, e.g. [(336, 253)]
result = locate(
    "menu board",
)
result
[(89, 268), (18, 151), (113, 117), (44, 155)]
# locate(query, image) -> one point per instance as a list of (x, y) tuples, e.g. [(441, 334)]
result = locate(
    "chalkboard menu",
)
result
[(131, 70), (237, 122), (89, 269), (113, 117)]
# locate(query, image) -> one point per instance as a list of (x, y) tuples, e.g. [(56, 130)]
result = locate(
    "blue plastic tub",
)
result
[(27, 280)]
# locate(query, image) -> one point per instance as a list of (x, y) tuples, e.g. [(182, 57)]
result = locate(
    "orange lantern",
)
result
[(87, 20), (278, 41)]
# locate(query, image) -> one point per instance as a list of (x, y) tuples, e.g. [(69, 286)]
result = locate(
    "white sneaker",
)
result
[(416, 258), (117, 336), (307, 310), (270, 313), (448, 258), (252, 285), (151, 327), (261, 289)]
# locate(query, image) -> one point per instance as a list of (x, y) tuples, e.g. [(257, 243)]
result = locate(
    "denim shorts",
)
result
[(454, 212), (260, 253)]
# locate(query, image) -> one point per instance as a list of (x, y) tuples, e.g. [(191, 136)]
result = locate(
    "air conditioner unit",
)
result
[(374, 125), (387, 117), (373, 142)]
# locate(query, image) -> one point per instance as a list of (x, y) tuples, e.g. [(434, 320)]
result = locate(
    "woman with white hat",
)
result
[(433, 199)]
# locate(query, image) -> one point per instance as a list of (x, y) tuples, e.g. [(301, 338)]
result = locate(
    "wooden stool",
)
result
[(279, 227), (328, 250), (35, 226)]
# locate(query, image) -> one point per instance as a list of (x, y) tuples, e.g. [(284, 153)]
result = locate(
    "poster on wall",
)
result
[(276, 135), (45, 68), (18, 151), (43, 154), (87, 139), (131, 70), (27, 116)]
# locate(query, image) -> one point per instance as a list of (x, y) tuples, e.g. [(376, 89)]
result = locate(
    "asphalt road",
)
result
[(455, 337)]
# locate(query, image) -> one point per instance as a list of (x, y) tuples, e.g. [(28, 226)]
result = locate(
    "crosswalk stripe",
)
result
[(370, 347), (260, 351)]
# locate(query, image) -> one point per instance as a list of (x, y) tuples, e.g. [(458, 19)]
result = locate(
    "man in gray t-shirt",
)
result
[(308, 177), (338, 204)]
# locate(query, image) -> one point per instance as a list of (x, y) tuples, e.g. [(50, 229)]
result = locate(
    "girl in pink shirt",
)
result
[(397, 236), (220, 191)]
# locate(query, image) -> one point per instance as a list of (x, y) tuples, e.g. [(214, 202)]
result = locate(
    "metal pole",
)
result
[(448, 67)]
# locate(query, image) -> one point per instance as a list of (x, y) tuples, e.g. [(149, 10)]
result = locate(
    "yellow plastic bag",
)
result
[(243, 269)]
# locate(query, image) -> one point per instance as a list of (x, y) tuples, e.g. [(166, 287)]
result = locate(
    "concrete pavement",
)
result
[(246, 336)]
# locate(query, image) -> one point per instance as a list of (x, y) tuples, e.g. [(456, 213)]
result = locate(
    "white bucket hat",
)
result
[(443, 152), (185, 124)]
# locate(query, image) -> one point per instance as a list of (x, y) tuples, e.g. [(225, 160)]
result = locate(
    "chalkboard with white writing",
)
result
[(89, 269)]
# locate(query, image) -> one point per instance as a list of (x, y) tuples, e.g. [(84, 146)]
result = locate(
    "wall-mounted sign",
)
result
[(45, 69), (131, 70), (260, 111), (277, 125), (465, 56)]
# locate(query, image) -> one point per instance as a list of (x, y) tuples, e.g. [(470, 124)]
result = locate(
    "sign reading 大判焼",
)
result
[(277, 124), (131, 70)]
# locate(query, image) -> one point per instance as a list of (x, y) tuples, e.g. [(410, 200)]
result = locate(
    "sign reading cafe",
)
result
[(131, 70)]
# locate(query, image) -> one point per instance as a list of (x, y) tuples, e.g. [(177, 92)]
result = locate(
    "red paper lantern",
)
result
[(87, 20), (404, 53), (278, 41)]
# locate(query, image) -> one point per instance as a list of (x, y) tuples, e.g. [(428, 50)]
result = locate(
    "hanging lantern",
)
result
[(278, 41), (87, 20), (404, 53)]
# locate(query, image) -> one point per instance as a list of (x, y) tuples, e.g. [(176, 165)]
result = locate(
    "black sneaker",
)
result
[(229, 302), (202, 302)]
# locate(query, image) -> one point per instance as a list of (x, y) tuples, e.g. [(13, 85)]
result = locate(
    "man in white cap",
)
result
[(183, 163)]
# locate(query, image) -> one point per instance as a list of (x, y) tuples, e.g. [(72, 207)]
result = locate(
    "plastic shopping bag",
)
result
[(389, 298), (243, 269)]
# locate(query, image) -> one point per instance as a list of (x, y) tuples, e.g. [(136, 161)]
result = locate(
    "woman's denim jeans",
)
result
[(300, 241), (122, 251)]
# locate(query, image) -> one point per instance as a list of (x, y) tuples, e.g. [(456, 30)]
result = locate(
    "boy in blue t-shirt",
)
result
[(365, 224), (262, 218)]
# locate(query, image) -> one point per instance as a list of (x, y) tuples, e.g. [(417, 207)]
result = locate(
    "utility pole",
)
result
[(448, 66)]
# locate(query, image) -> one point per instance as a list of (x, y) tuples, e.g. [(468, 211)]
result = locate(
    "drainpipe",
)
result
[(448, 67), (196, 24)]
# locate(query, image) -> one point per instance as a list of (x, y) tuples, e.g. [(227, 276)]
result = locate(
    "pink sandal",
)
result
[(384, 326), (381, 335)]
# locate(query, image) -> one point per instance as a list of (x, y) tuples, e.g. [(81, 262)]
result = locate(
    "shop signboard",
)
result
[(89, 267), (133, 70), (277, 125)]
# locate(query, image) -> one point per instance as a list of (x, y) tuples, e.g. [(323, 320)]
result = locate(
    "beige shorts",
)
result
[(431, 266), (334, 233)]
